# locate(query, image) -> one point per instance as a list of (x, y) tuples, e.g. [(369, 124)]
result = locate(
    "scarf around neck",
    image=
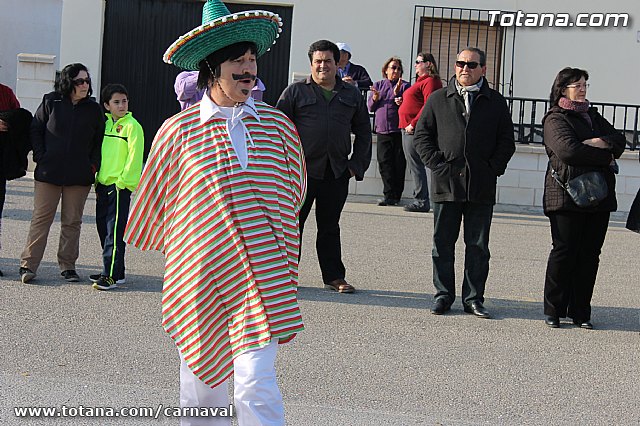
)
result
[(467, 93), (577, 106)]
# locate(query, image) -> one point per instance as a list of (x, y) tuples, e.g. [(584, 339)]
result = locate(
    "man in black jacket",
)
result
[(326, 111), (465, 136), (351, 73)]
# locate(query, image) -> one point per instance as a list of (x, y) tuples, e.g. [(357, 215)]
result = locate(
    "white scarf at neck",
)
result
[(464, 92)]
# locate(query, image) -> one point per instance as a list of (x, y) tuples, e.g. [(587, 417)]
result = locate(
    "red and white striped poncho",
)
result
[(230, 236)]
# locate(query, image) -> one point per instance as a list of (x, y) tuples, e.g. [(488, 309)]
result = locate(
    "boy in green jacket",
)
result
[(119, 175)]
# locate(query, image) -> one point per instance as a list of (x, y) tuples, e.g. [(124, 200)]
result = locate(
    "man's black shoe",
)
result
[(476, 308), (553, 322), (588, 325), (387, 202), (440, 306)]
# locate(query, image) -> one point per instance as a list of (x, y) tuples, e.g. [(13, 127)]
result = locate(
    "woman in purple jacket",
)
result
[(384, 100)]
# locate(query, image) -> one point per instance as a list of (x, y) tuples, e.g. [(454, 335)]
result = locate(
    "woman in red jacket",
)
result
[(413, 100)]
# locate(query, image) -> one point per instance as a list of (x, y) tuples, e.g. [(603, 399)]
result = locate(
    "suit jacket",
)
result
[(465, 156)]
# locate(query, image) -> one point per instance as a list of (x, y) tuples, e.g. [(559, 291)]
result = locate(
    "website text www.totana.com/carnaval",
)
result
[(140, 412), (586, 20)]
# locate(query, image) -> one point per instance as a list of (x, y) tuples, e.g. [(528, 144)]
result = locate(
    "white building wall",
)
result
[(81, 36), (27, 26), (606, 53), (377, 29)]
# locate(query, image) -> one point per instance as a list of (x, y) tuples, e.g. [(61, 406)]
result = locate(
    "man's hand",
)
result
[(409, 129), (4, 127), (348, 79)]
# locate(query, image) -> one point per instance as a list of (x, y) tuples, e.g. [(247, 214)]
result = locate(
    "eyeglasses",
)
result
[(418, 61), (393, 67), (577, 86), (81, 81), (471, 65)]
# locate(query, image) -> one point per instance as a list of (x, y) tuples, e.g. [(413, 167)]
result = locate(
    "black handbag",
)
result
[(586, 190)]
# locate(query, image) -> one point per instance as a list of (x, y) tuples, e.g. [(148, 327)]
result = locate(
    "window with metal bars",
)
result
[(445, 31)]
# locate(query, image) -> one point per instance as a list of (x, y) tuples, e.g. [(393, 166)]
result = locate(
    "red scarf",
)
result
[(577, 106)]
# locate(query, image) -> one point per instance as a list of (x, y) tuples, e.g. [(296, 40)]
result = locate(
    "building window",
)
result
[(444, 32)]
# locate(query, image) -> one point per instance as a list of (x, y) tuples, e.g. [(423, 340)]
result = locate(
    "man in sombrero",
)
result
[(220, 197)]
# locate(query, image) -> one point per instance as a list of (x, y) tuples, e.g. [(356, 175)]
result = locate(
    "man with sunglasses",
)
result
[(465, 136)]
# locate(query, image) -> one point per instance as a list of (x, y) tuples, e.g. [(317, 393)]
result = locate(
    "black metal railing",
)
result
[(527, 114)]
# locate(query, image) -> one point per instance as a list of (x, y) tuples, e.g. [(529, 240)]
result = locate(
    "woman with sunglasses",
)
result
[(577, 140), (384, 100), (66, 135), (413, 100)]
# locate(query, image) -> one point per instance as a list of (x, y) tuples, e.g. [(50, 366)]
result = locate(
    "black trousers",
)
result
[(447, 219), (3, 194), (573, 263), (329, 194), (112, 212), (392, 164)]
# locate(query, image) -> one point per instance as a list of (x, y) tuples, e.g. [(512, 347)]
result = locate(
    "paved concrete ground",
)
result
[(377, 357)]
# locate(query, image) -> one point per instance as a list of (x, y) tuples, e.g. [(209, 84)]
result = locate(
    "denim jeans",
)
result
[(417, 169), (447, 218)]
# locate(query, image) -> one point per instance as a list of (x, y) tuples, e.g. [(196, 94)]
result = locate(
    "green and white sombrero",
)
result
[(221, 28)]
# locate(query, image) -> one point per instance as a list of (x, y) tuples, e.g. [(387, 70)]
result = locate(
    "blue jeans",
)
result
[(447, 219), (417, 169)]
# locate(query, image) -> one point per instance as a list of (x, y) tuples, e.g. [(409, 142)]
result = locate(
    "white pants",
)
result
[(256, 395)]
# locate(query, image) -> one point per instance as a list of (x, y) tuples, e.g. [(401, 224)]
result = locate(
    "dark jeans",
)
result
[(573, 263), (391, 163), (329, 194), (112, 211), (477, 223), (417, 169)]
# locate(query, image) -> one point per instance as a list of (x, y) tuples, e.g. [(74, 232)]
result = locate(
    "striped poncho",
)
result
[(230, 236)]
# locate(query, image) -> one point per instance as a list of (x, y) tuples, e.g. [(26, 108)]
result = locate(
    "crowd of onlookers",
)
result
[(75, 146), (463, 137)]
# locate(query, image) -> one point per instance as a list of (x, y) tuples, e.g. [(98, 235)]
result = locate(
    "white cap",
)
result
[(344, 46)]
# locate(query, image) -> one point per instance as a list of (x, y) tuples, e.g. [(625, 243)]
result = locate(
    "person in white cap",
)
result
[(220, 196), (349, 72)]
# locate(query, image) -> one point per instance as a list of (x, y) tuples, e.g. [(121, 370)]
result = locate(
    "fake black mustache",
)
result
[(245, 76)]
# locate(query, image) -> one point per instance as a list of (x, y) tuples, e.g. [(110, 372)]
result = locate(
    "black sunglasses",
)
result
[(471, 65), (81, 81)]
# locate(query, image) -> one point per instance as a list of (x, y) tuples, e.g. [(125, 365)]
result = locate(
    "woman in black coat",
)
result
[(577, 140), (66, 136)]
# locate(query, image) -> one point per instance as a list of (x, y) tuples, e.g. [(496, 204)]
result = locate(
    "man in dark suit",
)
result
[(465, 136)]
